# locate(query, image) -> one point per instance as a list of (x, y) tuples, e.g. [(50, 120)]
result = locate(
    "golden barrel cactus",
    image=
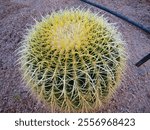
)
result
[(73, 60)]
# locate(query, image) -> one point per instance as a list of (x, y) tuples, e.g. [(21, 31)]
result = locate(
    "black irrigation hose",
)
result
[(118, 15), (147, 30), (143, 60)]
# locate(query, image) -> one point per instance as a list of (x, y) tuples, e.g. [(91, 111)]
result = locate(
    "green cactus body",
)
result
[(73, 60)]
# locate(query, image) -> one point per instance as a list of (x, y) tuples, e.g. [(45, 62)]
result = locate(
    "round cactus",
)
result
[(73, 60)]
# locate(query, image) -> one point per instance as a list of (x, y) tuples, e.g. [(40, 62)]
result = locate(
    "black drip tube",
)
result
[(147, 30), (118, 15), (143, 60)]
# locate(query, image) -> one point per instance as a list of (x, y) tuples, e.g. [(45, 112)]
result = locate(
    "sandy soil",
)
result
[(16, 15)]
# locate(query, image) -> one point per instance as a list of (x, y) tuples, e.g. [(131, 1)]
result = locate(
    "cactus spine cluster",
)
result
[(73, 60)]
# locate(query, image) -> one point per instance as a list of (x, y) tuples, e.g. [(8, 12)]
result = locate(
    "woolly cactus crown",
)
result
[(73, 60)]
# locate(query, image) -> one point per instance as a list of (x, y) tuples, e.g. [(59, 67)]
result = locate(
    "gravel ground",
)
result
[(16, 15)]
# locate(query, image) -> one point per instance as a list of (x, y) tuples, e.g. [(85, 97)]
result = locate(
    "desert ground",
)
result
[(133, 95)]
